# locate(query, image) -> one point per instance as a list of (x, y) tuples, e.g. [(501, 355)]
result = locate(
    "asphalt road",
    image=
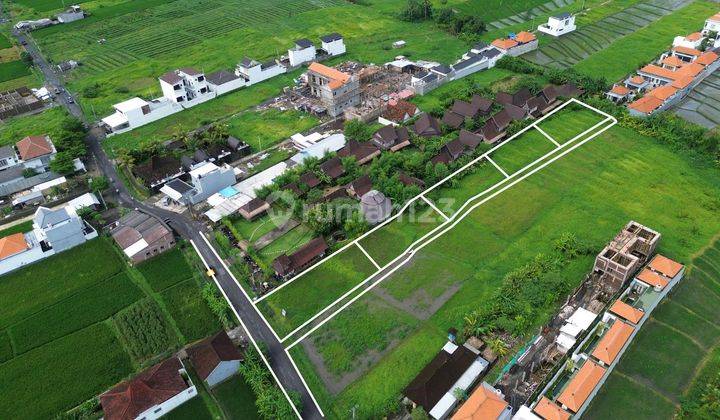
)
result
[(189, 230)]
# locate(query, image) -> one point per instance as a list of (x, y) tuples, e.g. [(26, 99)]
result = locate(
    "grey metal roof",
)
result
[(45, 216), (491, 53), (171, 77), (331, 37), (179, 186), (480, 45), (11, 173), (303, 43), (442, 68), (466, 63), (220, 77), (562, 16), (6, 152)]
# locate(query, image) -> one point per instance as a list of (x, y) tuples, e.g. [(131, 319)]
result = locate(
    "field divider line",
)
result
[(434, 186), (431, 204), (498, 167), (410, 248), (547, 135), (412, 252), (367, 255), (254, 343)]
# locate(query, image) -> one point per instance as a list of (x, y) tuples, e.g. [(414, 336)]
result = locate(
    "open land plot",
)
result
[(255, 229), (236, 399), (702, 104), (47, 122), (58, 277), (590, 39), (286, 244), (65, 372), (454, 192), (625, 402), (522, 151), (309, 293), (392, 240), (13, 69), (192, 315), (591, 192), (683, 338), (165, 270), (18, 228), (631, 52), (267, 128), (78, 311), (567, 124)]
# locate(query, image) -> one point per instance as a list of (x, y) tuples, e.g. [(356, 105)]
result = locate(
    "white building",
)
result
[(215, 359), (136, 112), (205, 180), (561, 24), (151, 394), (578, 322), (224, 81), (186, 86), (712, 24), (333, 44), (71, 15), (303, 52), (254, 72), (692, 40)]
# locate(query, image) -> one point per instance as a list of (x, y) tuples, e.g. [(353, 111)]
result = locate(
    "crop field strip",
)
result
[(587, 40), (518, 174), (168, 28)]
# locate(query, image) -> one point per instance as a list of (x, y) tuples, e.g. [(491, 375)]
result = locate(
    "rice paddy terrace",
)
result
[(525, 16), (702, 105), (589, 39)]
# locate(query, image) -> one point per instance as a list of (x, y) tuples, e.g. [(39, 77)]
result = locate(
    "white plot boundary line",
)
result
[(411, 252), (498, 167), (437, 228), (547, 136), (434, 186), (431, 204), (252, 340), (367, 255)]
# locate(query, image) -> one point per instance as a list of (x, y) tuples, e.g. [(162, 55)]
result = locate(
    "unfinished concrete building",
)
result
[(622, 257), (335, 89)]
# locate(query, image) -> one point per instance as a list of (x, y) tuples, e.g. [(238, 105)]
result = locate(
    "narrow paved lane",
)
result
[(189, 230)]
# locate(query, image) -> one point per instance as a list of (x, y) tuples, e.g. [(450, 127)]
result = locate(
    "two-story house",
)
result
[(335, 89)]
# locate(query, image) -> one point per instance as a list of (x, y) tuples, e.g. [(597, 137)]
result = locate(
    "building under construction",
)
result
[(614, 267)]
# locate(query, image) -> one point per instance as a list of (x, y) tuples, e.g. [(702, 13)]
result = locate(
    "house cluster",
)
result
[(661, 84), (586, 339), (53, 231), (186, 87), (498, 115), (427, 76), (167, 385), (26, 166), (141, 236)]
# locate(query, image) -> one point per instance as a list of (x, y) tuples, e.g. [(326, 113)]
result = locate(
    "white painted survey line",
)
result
[(431, 204), (254, 343), (498, 167), (367, 255), (455, 222), (434, 186), (547, 135), (302, 379)]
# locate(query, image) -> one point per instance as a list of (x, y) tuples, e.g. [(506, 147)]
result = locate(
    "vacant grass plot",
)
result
[(315, 289), (286, 244), (587, 40), (391, 240), (166, 269), (570, 122), (452, 194), (236, 399), (253, 230), (13, 70), (85, 308), (522, 151), (191, 313), (264, 129), (56, 278), (6, 350), (591, 192), (626, 405), (15, 129), (62, 378)]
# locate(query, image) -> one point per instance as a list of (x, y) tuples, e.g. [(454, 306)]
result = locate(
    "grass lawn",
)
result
[(681, 318), (65, 372), (263, 129), (638, 48), (522, 151), (286, 244), (570, 122), (87, 307), (190, 410), (618, 398), (191, 313), (452, 194), (315, 289), (166, 269), (697, 402), (6, 350), (591, 192), (13, 69), (47, 122), (391, 240), (19, 228), (4, 42), (236, 399), (60, 276), (253, 230)]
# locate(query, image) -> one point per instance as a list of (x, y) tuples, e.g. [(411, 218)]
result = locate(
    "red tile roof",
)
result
[(34, 146), (687, 51), (482, 404), (646, 104), (620, 90), (548, 410), (581, 386), (626, 311), (337, 78), (524, 37), (708, 57), (504, 44), (665, 266), (207, 354), (612, 342), (12, 245), (150, 388), (662, 92), (652, 278)]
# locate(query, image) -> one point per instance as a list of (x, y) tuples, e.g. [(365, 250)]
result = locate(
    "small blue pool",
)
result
[(228, 192)]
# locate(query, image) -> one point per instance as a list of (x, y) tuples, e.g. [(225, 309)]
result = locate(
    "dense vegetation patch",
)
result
[(144, 330)]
